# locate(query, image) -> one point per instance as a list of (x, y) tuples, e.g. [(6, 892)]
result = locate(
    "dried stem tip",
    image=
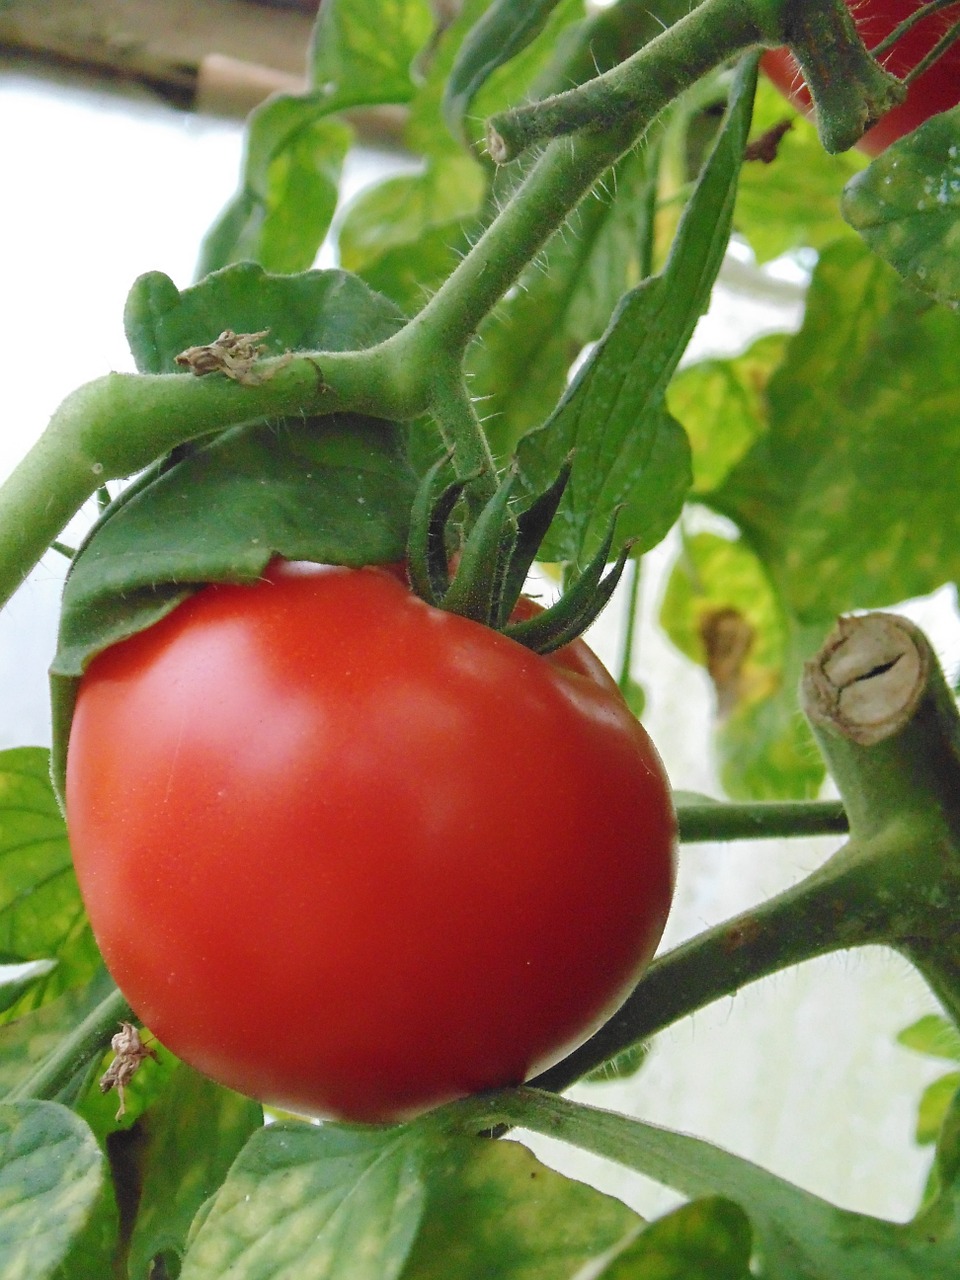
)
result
[(867, 679)]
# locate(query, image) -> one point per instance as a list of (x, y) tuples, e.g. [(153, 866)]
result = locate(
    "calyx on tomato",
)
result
[(496, 557), (936, 89)]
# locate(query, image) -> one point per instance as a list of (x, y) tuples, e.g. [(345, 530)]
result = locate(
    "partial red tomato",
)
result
[(938, 89), (356, 856)]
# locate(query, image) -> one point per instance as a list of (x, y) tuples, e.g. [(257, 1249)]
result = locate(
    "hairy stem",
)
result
[(454, 411), (116, 425), (824, 913), (641, 86)]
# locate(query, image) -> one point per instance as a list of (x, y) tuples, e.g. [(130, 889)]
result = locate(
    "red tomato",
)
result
[(357, 856), (938, 89)]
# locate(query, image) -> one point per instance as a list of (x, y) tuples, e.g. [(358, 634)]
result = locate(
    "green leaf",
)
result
[(794, 201), (183, 1149), (721, 405), (353, 1202), (332, 490), (493, 1210), (335, 1201), (41, 913), (506, 28), (30, 1038), (632, 454), (336, 489), (933, 1035), (362, 50), (797, 1236), (315, 310), (765, 750), (55, 1216), (907, 207), (288, 187), (848, 498), (934, 1105), (559, 305), (843, 494), (709, 1239), (360, 56), (20, 978)]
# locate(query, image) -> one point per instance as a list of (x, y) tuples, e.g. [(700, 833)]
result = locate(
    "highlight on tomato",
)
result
[(936, 89), (355, 855)]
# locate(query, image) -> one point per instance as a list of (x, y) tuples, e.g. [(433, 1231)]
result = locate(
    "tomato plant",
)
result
[(387, 846), (355, 855), (936, 89)]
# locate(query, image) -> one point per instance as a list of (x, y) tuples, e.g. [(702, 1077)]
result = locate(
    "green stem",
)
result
[(825, 912), (555, 186), (453, 409), (761, 821), (849, 89), (890, 732), (75, 1051), (888, 728), (118, 424), (630, 627), (643, 85), (920, 15), (945, 42)]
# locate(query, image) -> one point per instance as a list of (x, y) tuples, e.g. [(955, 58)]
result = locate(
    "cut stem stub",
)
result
[(868, 677)]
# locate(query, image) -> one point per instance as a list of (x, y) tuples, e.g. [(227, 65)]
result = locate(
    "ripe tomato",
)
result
[(938, 89), (357, 856)]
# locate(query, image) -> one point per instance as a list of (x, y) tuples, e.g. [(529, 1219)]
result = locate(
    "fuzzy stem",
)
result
[(824, 913), (850, 90), (454, 411), (901, 29), (642, 85), (118, 424)]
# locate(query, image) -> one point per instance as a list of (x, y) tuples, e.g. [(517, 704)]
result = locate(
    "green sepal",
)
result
[(496, 558), (531, 528), (427, 558), (578, 607), (477, 588)]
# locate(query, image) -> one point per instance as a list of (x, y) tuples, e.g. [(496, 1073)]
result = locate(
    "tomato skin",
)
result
[(938, 89), (356, 856)]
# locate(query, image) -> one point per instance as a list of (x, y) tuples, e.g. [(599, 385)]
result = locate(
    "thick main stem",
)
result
[(716, 31)]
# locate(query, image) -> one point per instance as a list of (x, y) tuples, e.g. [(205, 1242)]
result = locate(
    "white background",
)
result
[(799, 1073)]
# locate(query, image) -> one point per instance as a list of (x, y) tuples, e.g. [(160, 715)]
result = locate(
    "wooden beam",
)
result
[(229, 53)]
